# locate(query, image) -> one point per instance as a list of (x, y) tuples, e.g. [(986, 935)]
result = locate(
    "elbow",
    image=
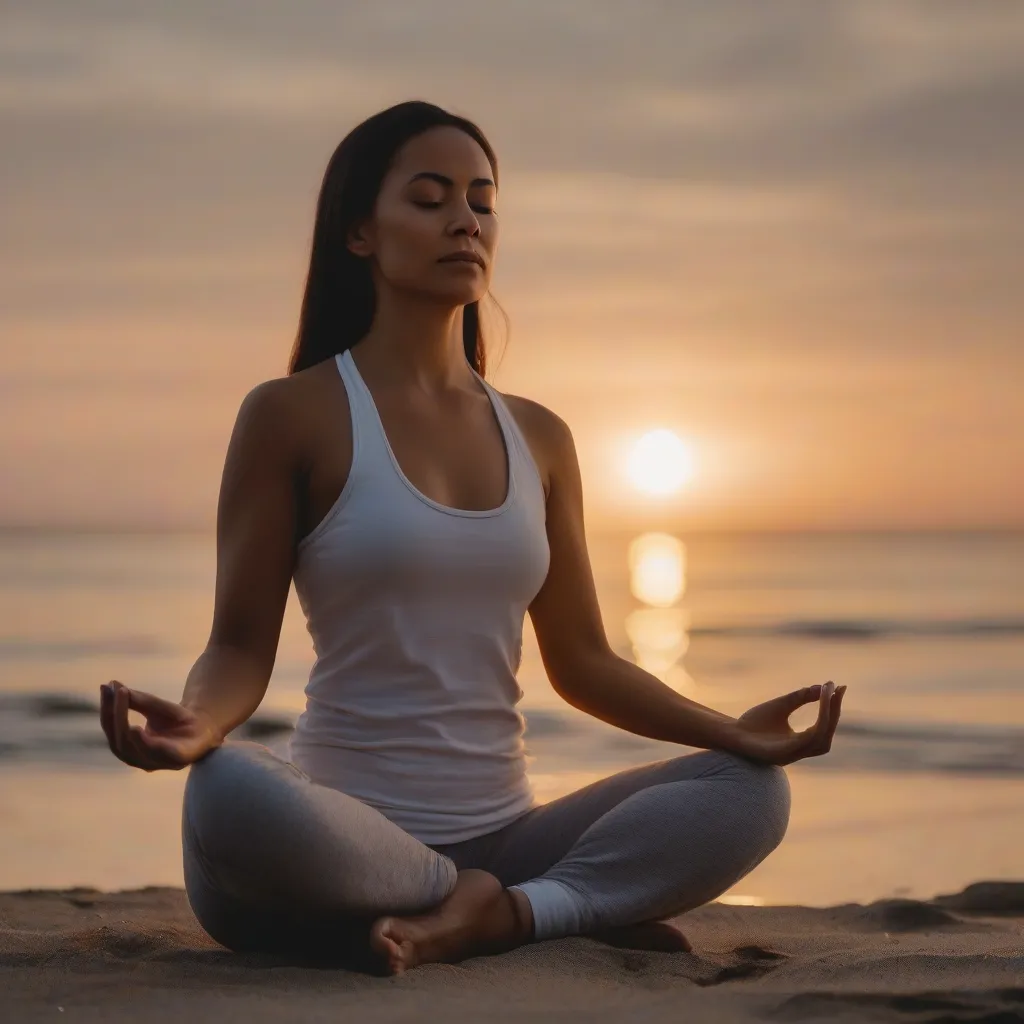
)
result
[(579, 677)]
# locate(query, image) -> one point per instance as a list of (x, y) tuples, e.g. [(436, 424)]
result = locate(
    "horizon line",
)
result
[(203, 531)]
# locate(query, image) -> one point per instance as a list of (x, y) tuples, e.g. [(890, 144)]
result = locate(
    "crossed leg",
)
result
[(609, 860), (273, 860)]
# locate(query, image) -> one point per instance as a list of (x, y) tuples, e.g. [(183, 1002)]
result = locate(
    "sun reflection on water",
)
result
[(659, 630)]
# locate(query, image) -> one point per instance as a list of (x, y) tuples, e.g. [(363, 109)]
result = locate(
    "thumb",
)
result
[(801, 742)]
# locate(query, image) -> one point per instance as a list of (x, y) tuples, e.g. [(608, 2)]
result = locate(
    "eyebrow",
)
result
[(443, 179)]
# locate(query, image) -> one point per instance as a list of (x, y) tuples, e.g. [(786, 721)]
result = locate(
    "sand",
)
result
[(139, 955)]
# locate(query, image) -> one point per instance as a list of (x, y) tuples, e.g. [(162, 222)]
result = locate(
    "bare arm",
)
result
[(588, 674), (580, 663), (625, 695), (256, 528), (256, 520)]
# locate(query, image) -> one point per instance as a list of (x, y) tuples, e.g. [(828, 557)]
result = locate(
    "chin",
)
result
[(457, 296)]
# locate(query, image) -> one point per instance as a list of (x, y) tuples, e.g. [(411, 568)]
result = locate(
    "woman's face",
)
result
[(437, 198)]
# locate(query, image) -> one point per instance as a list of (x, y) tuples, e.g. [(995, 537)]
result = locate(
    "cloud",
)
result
[(774, 210), (93, 68)]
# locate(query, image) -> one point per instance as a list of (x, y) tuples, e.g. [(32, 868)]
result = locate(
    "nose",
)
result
[(466, 221)]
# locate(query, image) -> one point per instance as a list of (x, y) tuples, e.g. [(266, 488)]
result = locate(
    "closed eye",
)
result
[(432, 206)]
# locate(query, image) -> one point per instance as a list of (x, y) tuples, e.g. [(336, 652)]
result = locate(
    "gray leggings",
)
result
[(276, 862)]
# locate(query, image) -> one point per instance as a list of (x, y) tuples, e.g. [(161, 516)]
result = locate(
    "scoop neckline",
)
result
[(468, 513)]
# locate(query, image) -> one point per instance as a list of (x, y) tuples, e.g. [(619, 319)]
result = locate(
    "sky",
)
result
[(789, 232)]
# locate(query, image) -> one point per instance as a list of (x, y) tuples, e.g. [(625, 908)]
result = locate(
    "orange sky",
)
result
[(791, 232)]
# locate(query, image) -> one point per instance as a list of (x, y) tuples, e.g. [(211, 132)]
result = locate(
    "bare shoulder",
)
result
[(283, 412), (548, 435), (290, 392), (266, 421), (551, 428)]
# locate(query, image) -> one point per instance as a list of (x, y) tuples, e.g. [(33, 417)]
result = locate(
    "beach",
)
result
[(83, 955), (895, 895), (743, 287)]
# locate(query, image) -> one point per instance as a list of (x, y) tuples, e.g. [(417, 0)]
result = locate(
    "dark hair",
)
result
[(339, 300)]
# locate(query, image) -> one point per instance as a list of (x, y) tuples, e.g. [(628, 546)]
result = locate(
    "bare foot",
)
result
[(478, 917), (659, 935)]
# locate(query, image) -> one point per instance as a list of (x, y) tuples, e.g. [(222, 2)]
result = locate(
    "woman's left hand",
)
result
[(763, 733)]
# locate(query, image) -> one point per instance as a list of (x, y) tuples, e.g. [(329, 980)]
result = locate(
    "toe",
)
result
[(384, 943)]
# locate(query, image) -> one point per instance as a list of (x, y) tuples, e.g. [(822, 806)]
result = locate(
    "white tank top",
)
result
[(416, 612)]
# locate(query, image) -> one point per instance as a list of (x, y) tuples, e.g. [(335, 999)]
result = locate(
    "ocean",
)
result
[(922, 792)]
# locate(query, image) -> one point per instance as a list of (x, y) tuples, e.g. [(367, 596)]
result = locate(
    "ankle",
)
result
[(522, 913)]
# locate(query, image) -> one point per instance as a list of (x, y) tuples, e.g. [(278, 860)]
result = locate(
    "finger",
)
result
[(807, 743), (833, 702), (119, 717), (139, 749), (819, 730), (149, 704), (817, 737), (798, 698), (128, 747), (106, 715), (837, 707), (146, 755), (824, 709), (165, 753)]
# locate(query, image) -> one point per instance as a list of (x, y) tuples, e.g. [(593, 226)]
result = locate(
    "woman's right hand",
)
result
[(173, 738)]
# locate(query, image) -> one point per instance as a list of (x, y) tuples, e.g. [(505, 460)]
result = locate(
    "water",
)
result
[(927, 631)]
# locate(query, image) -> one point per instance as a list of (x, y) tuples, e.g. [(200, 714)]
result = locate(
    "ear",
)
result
[(356, 243)]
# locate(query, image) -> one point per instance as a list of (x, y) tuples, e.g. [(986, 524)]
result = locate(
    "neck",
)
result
[(414, 344)]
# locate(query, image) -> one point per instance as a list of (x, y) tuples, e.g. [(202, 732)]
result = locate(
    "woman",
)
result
[(421, 515)]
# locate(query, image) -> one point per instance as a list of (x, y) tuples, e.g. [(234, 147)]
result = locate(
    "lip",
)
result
[(463, 256)]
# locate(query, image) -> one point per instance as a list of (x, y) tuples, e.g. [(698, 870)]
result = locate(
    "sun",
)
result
[(660, 462)]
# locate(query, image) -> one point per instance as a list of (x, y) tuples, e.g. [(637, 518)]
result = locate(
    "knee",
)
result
[(243, 823), (776, 800), (766, 795), (217, 778), (225, 795)]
